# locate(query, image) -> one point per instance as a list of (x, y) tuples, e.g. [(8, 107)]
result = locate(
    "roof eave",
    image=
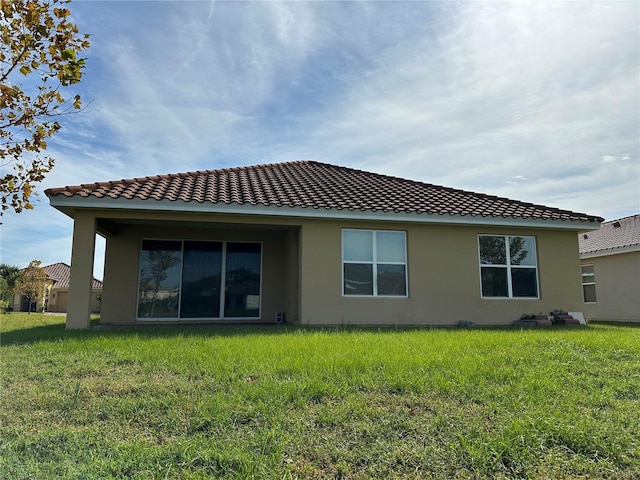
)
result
[(68, 205), (611, 251)]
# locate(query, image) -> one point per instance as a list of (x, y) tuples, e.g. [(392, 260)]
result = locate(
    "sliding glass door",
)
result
[(242, 281), (199, 280), (159, 284)]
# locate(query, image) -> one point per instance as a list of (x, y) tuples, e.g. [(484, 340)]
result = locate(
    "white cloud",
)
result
[(505, 88), (616, 158), (516, 180)]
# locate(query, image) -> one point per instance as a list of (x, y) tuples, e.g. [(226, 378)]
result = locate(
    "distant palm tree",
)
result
[(9, 274)]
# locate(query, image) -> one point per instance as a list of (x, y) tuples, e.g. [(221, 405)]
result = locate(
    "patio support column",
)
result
[(81, 278)]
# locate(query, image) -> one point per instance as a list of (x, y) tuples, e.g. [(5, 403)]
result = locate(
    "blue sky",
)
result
[(537, 101)]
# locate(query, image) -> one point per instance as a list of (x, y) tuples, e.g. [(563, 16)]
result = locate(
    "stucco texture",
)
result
[(302, 270), (617, 287)]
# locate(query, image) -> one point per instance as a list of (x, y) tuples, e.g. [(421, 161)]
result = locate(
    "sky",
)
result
[(535, 101)]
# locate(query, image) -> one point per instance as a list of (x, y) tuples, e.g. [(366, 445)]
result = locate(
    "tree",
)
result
[(38, 58), (8, 276), (5, 296), (32, 283)]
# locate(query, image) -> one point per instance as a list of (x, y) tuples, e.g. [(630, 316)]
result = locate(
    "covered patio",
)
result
[(185, 268)]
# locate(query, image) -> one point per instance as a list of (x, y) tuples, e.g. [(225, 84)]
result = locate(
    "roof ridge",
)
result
[(622, 218), (57, 263)]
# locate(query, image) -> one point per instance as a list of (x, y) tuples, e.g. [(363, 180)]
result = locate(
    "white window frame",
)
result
[(509, 267), (582, 275), (375, 263), (178, 318)]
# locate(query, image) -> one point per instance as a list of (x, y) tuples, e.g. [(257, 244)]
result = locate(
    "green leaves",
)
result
[(32, 283), (68, 54), (40, 47)]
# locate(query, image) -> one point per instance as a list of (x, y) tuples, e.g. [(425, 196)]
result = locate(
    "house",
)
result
[(58, 297), (610, 267), (57, 294), (313, 243)]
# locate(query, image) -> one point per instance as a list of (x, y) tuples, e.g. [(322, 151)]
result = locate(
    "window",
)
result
[(159, 288), (588, 283), (508, 266), (199, 279), (374, 263)]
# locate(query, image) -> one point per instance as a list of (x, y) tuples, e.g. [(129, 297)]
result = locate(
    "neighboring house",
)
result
[(22, 303), (610, 267), (311, 243), (57, 295)]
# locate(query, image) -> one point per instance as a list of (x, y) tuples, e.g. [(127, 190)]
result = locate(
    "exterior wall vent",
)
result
[(281, 317)]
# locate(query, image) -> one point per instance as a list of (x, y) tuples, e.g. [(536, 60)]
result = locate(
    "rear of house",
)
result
[(610, 270), (312, 243)]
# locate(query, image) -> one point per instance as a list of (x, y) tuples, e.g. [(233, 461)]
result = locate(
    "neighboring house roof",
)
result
[(616, 236), (60, 274), (305, 186)]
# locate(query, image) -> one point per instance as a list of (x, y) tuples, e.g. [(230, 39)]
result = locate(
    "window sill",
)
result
[(510, 298)]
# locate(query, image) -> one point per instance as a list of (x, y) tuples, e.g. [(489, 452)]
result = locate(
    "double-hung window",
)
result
[(588, 283), (374, 263), (508, 266)]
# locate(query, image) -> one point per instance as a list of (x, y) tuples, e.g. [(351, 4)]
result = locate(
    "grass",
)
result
[(292, 402)]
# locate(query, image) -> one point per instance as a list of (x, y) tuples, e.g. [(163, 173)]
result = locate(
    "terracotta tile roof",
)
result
[(60, 274), (621, 233), (316, 185)]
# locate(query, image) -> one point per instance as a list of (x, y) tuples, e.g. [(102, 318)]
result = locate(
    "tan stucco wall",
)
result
[(292, 252), (59, 299), (63, 301), (302, 270), (444, 283), (617, 287)]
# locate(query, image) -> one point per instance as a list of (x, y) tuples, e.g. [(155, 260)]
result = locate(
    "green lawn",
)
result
[(290, 402)]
